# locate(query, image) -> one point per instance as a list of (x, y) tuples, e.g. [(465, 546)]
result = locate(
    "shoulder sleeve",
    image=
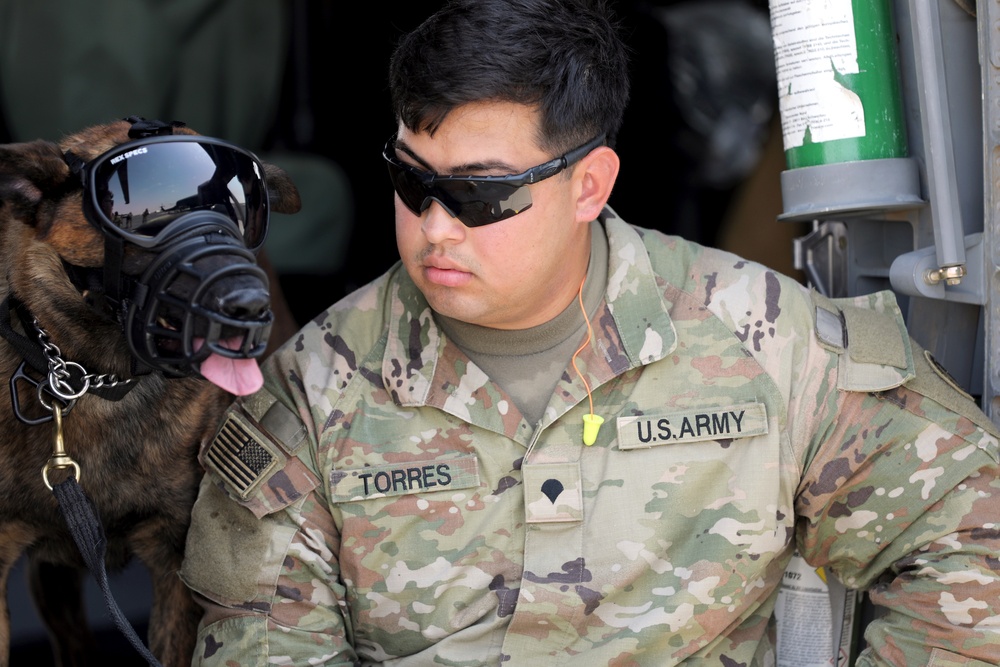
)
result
[(254, 455), (270, 586), (877, 353), (261, 555), (902, 495)]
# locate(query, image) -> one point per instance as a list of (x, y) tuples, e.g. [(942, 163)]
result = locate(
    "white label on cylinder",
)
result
[(815, 40)]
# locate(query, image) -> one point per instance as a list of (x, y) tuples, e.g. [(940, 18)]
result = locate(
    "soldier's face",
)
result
[(512, 274)]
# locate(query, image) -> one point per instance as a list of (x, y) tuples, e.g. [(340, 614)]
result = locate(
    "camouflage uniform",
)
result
[(381, 501)]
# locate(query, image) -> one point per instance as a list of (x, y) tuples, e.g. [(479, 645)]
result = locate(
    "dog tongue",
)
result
[(237, 376)]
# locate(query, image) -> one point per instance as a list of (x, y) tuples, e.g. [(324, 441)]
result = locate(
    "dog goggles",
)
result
[(137, 189), (475, 200)]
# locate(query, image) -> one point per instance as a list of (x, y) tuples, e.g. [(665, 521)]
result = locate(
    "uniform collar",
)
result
[(422, 367), (636, 300)]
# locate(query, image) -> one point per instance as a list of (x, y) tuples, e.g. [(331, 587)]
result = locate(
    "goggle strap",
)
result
[(75, 163), (114, 251), (142, 128)]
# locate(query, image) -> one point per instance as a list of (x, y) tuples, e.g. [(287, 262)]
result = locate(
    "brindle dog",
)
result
[(136, 448)]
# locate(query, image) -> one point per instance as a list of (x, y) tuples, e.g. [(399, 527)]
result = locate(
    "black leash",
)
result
[(89, 536), (83, 523), (63, 390)]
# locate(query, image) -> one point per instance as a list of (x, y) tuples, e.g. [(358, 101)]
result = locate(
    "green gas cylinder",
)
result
[(838, 81)]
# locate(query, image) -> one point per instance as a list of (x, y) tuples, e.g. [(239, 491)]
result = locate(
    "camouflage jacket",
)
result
[(381, 501)]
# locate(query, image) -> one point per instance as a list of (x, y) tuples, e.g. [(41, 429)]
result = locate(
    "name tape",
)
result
[(699, 424)]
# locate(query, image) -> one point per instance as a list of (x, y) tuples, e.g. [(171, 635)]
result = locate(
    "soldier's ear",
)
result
[(594, 177)]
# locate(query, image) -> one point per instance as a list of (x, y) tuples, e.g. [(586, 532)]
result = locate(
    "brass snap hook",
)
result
[(59, 459)]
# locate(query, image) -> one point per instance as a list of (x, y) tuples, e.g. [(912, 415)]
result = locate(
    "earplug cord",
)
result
[(591, 422), (590, 333)]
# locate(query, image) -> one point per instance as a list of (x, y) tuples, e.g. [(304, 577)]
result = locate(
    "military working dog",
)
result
[(132, 310)]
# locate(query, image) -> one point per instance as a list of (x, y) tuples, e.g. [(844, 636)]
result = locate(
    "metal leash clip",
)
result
[(59, 460)]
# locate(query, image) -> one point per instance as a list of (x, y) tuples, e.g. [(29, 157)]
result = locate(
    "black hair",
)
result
[(564, 56)]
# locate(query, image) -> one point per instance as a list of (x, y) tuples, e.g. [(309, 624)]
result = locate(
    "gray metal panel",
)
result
[(989, 56), (950, 86)]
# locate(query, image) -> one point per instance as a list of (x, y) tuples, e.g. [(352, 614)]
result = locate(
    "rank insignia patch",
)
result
[(238, 454)]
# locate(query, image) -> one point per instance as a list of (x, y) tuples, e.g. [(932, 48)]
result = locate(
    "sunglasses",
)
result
[(475, 200), (136, 190)]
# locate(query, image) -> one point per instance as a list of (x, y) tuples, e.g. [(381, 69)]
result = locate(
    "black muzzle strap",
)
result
[(30, 350), (114, 254)]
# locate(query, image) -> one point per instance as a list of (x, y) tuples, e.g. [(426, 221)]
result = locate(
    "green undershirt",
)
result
[(528, 363)]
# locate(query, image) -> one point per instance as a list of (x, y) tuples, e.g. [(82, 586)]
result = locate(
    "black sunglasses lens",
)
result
[(475, 202), (144, 189), (484, 202), (408, 186)]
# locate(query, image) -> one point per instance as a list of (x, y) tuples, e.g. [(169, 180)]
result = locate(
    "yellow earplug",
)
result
[(591, 425)]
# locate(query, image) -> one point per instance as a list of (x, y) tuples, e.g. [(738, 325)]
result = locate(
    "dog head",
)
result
[(142, 235)]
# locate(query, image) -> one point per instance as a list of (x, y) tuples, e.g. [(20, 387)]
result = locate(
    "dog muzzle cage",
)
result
[(173, 331), (198, 206)]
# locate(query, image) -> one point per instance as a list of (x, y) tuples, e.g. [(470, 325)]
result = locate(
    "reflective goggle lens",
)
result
[(141, 187)]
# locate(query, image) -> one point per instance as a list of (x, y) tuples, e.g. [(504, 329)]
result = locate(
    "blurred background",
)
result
[(303, 84)]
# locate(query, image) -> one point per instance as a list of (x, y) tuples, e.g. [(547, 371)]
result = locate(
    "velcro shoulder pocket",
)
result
[(936, 383), (869, 334), (253, 454)]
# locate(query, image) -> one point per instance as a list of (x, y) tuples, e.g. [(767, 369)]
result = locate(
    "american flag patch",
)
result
[(238, 455)]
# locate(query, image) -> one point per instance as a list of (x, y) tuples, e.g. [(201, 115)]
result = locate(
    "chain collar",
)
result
[(62, 373)]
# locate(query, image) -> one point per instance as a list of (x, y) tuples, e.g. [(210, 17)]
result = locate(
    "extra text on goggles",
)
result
[(137, 189)]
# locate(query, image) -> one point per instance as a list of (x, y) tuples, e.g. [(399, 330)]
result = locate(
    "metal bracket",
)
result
[(917, 273)]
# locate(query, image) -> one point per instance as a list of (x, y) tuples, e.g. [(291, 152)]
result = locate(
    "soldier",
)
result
[(548, 435)]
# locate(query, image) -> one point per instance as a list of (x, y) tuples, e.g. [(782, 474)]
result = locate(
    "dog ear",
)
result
[(28, 171), (283, 196)]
